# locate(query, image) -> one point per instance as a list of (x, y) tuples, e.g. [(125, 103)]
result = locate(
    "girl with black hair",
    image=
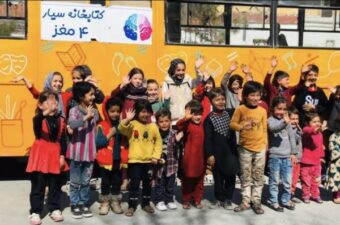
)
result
[(145, 148)]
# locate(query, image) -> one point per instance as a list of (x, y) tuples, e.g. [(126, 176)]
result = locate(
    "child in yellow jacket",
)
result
[(145, 147)]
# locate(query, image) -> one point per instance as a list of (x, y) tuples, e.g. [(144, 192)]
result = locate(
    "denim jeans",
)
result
[(165, 188), (80, 175), (280, 168)]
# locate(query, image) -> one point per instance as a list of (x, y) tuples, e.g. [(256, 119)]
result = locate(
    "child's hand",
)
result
[(161, 161), (22, 78), (233, 66), (324, 125), (199, 62), (62, 162), (19, 78), (308, 107), (211, 161), (298, 127), (126, 81), (274, 61), (130, 114), (188, 114), (167, 95), (179, 136), (92, 81), (304, 69), (245, 69), (69, 130), (89, 113), (247, 125), (293, 159), (112, 132), (286, 118), (154, 161), (322, 160), (331, 89)]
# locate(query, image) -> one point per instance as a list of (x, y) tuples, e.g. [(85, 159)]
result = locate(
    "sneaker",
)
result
[(276, 207), (149, 209), (56, 216), (76, 212), (296, 200), (216, 205), (228, 205), (34, 219), (306, 200), (171, 205), (317, 200), (161, 206), (290, 205), (87, 212)]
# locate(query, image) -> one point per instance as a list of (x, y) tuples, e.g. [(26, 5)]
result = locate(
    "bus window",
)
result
[(13, 19), (142, 3)]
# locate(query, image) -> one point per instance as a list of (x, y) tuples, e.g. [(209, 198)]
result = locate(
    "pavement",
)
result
[(14, 206)]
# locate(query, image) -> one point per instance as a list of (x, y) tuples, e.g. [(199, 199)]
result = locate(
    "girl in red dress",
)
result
[(193, 161), (46, 159)]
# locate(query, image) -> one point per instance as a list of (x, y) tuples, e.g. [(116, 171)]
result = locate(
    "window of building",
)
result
[(13, 19), (297, 23)]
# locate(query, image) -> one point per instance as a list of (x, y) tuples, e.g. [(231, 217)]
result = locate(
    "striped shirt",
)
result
[(82, 146)]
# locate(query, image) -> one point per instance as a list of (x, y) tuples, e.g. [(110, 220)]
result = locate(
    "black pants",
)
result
[(39, 181), (165, 188), (139, 172), (111, 180), (224, 185)]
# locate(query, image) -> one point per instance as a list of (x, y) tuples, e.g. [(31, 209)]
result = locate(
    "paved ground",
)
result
[(14, 206)]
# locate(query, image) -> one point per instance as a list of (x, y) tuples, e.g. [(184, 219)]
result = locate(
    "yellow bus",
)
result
[(222, 31)]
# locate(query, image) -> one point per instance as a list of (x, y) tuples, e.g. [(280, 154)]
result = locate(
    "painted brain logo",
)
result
[(137, 25)]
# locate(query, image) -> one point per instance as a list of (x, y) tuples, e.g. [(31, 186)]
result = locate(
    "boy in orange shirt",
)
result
[(251, 122)]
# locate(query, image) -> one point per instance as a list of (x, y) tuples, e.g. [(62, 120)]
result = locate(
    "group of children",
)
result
[(149, 141)]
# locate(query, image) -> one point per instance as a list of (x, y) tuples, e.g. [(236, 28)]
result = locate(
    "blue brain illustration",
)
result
[(130, 28)]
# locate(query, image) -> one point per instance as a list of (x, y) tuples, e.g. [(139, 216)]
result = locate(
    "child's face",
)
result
[(284, 82), (218, 102), (153, 91), (280, 110), (253, 99), (143, 116), (164, 123), (196, 118), (294, 120), (180, 71), (114, 112), (208, 86), (76, 77), (50, 103), (137, 80), (311, 77), (315, 122), (89, 97), (235, 86), (57, 83)]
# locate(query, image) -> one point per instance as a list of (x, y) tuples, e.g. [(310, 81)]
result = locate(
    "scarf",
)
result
[(221, 123), (116, 147), (176, 80), (134, 93), (48, 86), (53, 127)]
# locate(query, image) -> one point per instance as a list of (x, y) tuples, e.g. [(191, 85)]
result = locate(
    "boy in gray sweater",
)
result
[(282, 154)]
